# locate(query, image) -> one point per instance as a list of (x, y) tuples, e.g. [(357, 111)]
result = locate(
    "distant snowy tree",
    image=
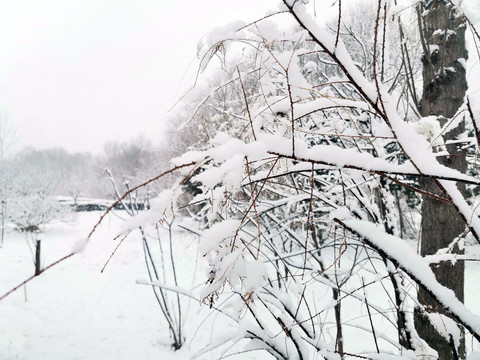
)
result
[(32, 205), (129, 162)]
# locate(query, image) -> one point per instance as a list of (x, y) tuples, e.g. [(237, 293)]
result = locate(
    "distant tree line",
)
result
[(31, 179)]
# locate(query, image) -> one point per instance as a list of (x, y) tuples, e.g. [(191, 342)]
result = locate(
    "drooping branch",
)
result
[(398, 252)]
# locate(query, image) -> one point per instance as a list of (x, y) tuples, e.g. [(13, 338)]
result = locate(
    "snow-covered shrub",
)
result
[(299, 214), (160, 265), (294, 194)]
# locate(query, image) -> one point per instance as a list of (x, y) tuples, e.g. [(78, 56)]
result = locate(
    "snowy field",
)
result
[(74, 311)]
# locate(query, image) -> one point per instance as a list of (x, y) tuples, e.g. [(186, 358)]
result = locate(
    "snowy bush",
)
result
[(302, 220)]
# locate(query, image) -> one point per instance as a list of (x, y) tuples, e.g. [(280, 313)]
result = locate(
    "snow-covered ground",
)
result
[(73, 311)]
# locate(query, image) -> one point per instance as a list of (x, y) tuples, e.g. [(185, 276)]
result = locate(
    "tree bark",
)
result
[(444, 86)]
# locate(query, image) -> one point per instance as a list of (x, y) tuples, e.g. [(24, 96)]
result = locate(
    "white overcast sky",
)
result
[(78, 73)]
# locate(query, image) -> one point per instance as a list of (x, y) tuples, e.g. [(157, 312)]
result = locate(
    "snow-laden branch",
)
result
[(413, 144), (398, 251), (352, 159)]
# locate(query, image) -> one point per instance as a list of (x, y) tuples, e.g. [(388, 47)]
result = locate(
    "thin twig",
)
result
[(246, 104), (312, 183), (474, 122), (34, 276), (370, 319), (338, 23), (114, 251), (254, 207)]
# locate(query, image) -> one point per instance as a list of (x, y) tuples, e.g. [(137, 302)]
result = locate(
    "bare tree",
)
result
[(32, 206)]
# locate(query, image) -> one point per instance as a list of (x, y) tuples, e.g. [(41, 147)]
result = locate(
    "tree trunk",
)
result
[(444, 85)]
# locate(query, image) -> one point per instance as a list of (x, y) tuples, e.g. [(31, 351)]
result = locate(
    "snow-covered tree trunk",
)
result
[(442, 29)]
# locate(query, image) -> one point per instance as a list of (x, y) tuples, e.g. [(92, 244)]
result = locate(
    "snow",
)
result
[(413, 264), (226, 149), (75, 312), (79, 245), (229, 172), (162, 207), (433, 48), (471, 9), (462, 62), (217, 234), (442, 31), (446, 327), (431, 129), (339, 157), (221, 33), (475, 355)]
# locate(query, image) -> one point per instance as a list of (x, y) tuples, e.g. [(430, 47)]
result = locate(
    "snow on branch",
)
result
[(398, 251)]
